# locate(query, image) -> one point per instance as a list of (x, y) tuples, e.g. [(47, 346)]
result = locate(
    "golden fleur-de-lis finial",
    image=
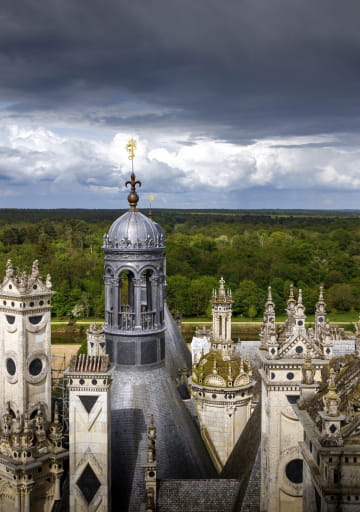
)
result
[(130, 148), (133, 197)]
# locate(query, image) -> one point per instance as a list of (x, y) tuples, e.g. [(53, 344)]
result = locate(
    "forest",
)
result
[(250, 249)]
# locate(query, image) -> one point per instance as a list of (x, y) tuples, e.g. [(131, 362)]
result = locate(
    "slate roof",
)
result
[(251, 501), (241, 462), (177, 355), (135, 395), (215, 495)]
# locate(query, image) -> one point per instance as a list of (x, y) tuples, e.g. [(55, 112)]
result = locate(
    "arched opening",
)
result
[(126, 300), (148, 297)]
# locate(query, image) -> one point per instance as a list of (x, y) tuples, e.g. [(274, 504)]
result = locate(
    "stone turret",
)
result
[(31, 445), (290, 311), (222, 384), (25, 340), (268, 326), (134, 279), (320, 313), (89, 382), (135, 334), (300, 315), (221, 302)]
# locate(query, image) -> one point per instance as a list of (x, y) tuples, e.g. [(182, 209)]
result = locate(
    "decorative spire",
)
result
[(308, 369), (9, 269), (35, 269), (300, 297), (291, 302), (320, 306), (331, 399), (151, 452), (221, 287), (269, 305), (133, 197)]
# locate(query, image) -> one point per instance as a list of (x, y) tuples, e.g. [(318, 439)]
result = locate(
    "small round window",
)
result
[(10, 319), (11, 366), (290, 376), (35, 367), (299, 349), (300, 322), (294, 471)]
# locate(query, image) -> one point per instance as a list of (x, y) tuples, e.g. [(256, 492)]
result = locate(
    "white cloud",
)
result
[(52, 163)]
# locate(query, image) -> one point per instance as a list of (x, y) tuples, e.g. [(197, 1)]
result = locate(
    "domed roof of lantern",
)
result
[(133, 230)]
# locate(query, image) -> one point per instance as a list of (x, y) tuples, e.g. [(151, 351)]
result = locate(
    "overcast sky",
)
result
[(234, 103)]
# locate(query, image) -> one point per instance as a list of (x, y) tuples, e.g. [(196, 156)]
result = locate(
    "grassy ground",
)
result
[(347, 317)]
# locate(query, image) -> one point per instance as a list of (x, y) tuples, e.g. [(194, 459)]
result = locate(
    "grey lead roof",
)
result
[(135, 395), (133, 230)]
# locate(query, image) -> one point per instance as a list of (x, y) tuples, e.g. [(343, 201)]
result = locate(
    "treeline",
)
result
[(249, 249)]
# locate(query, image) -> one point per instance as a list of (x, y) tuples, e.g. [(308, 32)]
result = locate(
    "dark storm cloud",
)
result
[(231, 70)]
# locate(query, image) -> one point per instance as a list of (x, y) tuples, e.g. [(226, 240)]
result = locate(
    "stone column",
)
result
[(26, 493), (154, 281), (17, 500), (115, 294), (161, 293), (228, 331), (137, 303), (223, 328), (120, 283), (57, 495), (108, 298)]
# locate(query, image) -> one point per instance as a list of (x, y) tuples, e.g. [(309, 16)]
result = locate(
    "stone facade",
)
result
[(285, 353), (31, 450), (95, 340), (331, 441), (89, 381), (149, 364), (25, 341), (221, 384)]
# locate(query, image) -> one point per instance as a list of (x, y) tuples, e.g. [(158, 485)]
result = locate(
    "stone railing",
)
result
[(127, 321), (147, 320)]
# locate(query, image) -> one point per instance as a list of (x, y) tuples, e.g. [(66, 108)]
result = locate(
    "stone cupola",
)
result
[(134, 279)]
